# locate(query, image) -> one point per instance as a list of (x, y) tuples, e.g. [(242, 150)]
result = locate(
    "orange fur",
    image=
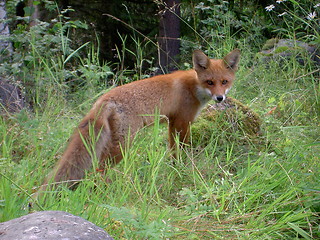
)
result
[(179, 96)]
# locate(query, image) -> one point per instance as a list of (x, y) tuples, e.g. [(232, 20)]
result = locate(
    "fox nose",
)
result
[(219, 98)]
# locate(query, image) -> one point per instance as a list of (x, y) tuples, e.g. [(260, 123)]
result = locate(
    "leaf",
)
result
[(299, 230), (28, 11)]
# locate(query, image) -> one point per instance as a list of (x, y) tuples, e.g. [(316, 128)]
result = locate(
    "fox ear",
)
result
[(232, 59), (200, 60)]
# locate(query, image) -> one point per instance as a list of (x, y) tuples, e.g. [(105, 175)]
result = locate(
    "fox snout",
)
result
[(219, 98), (221, 95)]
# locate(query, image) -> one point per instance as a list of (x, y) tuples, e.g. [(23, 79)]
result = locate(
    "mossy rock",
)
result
[(229, 121), (279, 49)]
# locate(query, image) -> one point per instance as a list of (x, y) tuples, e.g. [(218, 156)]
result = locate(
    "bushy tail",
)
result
[(89, 142)]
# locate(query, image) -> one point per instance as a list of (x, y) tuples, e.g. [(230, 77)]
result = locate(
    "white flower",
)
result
[(317, 5), (282, 14), (312, 15), (280, 1), (270, 7)]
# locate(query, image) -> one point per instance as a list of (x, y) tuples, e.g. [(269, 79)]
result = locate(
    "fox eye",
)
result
[(224, 82), (209, 82)]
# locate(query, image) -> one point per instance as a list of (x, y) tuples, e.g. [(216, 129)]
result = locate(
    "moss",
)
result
[(281, 49), (229, 121), (270, 43)]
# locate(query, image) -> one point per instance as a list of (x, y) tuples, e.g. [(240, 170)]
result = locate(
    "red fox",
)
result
[(179, 96)]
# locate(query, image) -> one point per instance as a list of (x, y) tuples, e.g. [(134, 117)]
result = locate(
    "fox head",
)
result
[(215, 76)]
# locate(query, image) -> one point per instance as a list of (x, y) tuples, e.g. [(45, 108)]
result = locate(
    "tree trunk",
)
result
[(11, 99), (35, 15), (169, 35), (6, 49)]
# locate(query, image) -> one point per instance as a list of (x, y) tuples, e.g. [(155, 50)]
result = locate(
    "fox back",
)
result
[(122, 111)]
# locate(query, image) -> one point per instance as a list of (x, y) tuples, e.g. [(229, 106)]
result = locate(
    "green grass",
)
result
[(225, 190)]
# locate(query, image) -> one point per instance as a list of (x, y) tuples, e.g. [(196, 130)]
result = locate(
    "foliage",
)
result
[(221, 24), (45, 50), (300, 18), (227, 24)]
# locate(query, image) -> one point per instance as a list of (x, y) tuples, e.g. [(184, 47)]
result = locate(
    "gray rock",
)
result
[(10, 97), (285, 48), (51, 225)]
